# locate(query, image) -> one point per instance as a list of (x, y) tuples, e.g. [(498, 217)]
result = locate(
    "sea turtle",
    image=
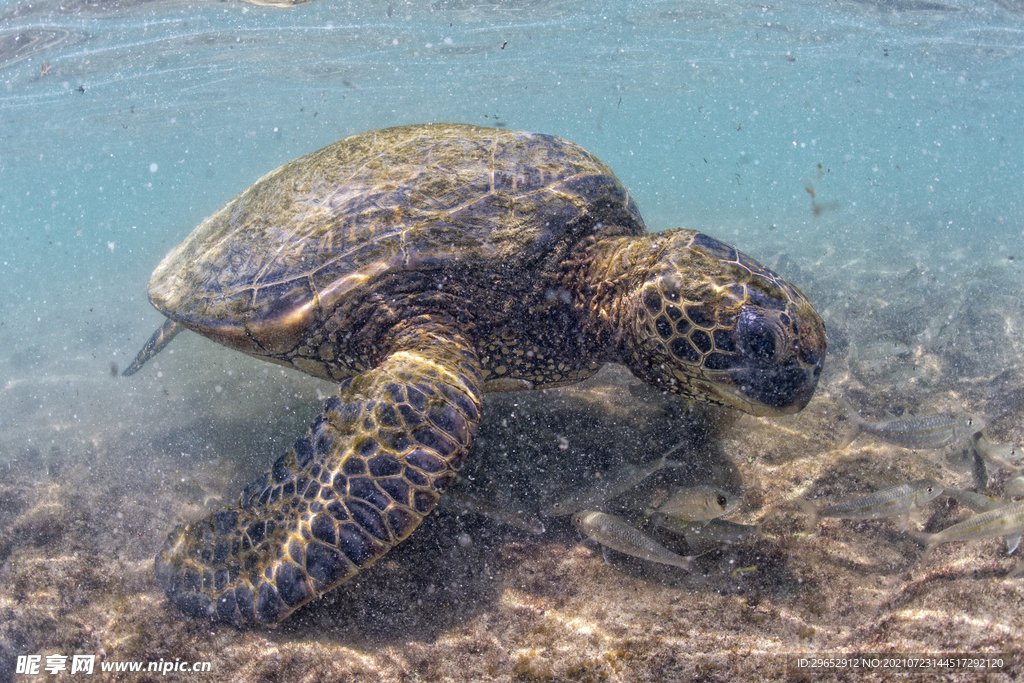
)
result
[(417, 268)]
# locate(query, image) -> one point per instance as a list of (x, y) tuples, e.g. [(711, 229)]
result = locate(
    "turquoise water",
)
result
[(889, 135), (714, 115), (903, 117)]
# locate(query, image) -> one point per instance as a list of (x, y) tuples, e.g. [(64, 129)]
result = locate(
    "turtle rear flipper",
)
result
[(161, 338), (371, 466)]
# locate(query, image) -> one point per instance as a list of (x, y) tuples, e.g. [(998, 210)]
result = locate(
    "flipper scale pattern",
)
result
[(368, 470)]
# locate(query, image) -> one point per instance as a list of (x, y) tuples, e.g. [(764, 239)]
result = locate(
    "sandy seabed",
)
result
[(96, 470)]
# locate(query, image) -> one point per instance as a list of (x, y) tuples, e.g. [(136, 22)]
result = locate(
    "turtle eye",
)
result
[(756, 337)]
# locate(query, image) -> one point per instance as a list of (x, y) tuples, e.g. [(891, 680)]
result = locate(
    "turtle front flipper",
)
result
[(372, 465)]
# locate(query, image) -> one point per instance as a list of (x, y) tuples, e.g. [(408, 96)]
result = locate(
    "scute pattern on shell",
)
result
[(276, 260)]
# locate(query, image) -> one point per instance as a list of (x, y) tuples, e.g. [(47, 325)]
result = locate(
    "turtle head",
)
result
[(711, 324)]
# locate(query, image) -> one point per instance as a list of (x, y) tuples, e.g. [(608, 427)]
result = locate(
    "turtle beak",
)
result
[(781, 390), (783, 354), (769, 391)]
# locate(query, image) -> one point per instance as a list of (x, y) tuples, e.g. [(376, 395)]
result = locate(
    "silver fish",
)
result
[(1006, 521), (960, 457), (611, 484), (979, 469), (927, 431), (613, 532), (881, 362), (193, 491), (976, 501), (713, 531), (699, 504), (454, 500), (1014, 488), (898, 501), (1005, 456), (880, 349)]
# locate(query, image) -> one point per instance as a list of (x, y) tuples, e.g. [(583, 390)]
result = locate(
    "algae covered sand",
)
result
[(88, 495)]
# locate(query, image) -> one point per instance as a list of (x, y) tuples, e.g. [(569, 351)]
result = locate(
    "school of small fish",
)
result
[(994, 517), (696, 512)]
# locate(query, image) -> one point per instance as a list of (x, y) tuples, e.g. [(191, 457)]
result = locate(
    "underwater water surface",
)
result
[(872, 153)]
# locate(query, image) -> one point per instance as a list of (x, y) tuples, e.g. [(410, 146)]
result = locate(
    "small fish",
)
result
[(193, 491), (975, 501), (927, 431), (1006, 521), (454, 500), (880, 349), (960, 457), (881, 362), (979, 469), (898, 501), (1014, 488), (613, 532), (699, 504), (1001, 455), (713, 531), (611, 484)]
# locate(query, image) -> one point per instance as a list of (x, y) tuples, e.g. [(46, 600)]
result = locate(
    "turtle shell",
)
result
[(268, 268)]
